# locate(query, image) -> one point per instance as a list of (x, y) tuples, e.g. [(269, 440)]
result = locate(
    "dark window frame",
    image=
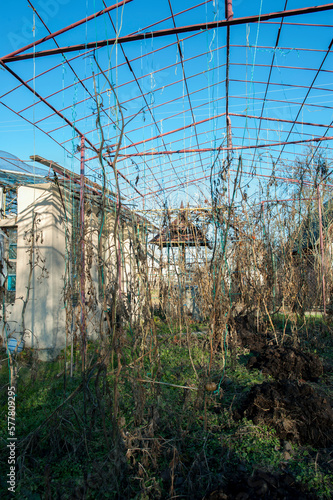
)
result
[(9, 271)]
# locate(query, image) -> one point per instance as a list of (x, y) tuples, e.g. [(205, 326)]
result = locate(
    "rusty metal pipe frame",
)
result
[(281, 120), (229, 144), (70, 66), (161, 69), (270, 74), (67, 28), (164, 67), (278, 172), (242, 81), (170, 31), (253, 175), (194, 170), (91, 50), (84, 54), (291, 142), (199, 90), (34, 78), (229, 16), (321, 240), (69, 123), (191, 152), (246, 172), (176, 82), (38, 128), (122, 84), (188, 93), (233, 148), (141, 93), (246, 157), (309, 90), (150, 152), (190, 156), (36, 157), (82, 237)]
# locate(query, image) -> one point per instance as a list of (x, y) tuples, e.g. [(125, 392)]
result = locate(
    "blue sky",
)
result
[(159, 73)]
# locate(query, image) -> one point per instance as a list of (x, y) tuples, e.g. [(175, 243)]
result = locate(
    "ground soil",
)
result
[(287, 363), (251, 340), (297, 413), (279, 361), (261, 484)]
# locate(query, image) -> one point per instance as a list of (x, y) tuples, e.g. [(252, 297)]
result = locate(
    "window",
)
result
[(8, 255)]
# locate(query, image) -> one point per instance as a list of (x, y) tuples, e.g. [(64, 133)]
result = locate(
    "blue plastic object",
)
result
[(12, 343)]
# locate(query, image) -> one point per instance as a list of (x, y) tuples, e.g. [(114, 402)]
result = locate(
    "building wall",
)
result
[(48, 314), (40, 270)]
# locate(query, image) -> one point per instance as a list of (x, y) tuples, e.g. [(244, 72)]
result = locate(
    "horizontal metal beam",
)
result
[(171, 31), (71, 175), (251, 174), (221, 148), (64, 30), (213, 117), (281, 120), (68, 122)]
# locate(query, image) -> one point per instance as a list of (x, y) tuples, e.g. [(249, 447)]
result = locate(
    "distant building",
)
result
[(41, 260), (307, 253)]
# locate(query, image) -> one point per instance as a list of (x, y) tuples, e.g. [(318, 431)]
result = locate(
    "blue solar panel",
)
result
[(11, 163)]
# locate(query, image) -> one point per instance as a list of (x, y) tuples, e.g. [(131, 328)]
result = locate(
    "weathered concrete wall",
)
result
[(45, 268), (40, 269)]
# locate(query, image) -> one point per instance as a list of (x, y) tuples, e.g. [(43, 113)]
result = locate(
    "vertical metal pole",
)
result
[(229, 15), (181, 263), (321, 239), (83, 276), (119, 248)]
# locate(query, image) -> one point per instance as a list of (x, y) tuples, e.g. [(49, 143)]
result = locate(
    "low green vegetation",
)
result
[(144, 428)]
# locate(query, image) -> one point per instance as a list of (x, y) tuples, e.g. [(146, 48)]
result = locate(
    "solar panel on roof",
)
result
[(10, 163)]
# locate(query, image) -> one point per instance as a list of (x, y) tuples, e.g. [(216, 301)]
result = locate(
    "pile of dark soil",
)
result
[(295, 411), (263, 485), (252, 340), (287, 363)]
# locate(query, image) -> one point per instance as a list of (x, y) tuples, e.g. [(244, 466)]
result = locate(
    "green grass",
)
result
[(254, 444), (165, 429)]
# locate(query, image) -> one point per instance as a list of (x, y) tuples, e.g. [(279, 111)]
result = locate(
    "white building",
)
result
[(42, 252)]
